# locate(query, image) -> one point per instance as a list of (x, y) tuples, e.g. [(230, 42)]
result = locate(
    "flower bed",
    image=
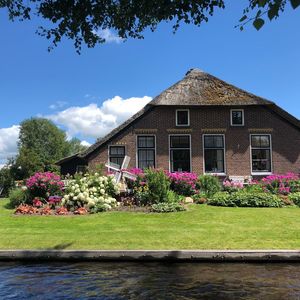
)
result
[(154, 190)]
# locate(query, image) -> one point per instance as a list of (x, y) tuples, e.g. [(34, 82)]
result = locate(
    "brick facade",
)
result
[(160, 121)]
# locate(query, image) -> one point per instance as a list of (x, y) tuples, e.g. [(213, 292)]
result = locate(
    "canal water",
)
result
[(149, 281)]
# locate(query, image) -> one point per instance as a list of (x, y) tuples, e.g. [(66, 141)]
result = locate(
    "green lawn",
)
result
[(201, 227)]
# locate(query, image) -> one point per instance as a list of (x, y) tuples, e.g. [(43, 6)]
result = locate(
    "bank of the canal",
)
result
[(153, 255)]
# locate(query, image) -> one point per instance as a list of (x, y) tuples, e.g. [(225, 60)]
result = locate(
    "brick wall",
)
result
[(258, 119)]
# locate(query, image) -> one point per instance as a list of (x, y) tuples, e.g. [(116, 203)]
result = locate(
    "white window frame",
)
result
[(224, 154), (137, 148), (182, 125), (178, 134), (243, 116), (271, 159)]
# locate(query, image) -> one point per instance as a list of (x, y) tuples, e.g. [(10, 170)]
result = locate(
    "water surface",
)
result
[(149, 281)]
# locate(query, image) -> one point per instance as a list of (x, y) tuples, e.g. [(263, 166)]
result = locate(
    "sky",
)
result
[(88, 95)]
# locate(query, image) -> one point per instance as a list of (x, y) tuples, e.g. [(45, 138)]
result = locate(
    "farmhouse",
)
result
[(204, 125)]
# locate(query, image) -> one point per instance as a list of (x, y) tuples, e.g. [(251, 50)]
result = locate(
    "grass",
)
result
[(201, 227)]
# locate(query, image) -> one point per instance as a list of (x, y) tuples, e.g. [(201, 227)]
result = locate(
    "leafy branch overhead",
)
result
[(81, 20)]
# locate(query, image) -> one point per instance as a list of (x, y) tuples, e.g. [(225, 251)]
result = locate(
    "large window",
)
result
[(182, 117), (116, 155), (180, 153), (146, 151), (237, 117), (261, 153), (214, 152)]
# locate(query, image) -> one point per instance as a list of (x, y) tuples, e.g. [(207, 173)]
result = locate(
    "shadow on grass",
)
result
[(60, 246)]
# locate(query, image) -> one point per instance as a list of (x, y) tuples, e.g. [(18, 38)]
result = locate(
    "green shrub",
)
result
[(245, 199), (17, 197), (158, 186), (167, 207), (253, 188), (295, 197), (200, 198), (6, 181), (220, 199), (209, 184)]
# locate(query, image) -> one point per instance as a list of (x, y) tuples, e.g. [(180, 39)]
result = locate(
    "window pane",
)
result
[(214, 160), (264, 141), (213, 141), (146, 142), (255, 141), (117, 150), (237, 117), (180, 160), (260, 141), (116, 160), (261, 154), (146, 158), (141, 142), (182, 117), (261, 166), (180, 141)]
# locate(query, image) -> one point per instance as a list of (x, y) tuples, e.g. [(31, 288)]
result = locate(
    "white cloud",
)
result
[(109, 36), (8, 142), (85, 143), (58, 105), (96, 121)]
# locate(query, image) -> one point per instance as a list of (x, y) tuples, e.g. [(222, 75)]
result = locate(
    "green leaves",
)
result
[(80, 20), (295, 3), (258, 23)]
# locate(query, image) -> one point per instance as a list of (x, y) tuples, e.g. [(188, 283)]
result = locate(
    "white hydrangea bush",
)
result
[(93, 191)]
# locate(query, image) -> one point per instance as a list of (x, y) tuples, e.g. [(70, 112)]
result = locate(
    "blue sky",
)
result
[(71, 89)]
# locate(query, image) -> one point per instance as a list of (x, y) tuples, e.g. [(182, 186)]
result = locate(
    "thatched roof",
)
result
[(68, 158), (197, 88), (200, 88)]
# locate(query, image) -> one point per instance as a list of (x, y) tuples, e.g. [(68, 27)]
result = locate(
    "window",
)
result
[(214, 153), (237, 117), (261, 153), (146, 151), (182, 117), (116, 155), (81, 169), (180, 153)]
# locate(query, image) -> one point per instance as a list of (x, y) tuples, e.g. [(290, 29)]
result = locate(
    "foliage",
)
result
[(199, 198), (82, 21), (264, 9), (183, 183), (91, 191), (25, 209), (232, 186), (158, 186), (75, 146), (253, 187), (245, 199), (17, 196), (281, 184), (295, 197), (209, 184), (141, 193), (41, 144), (44, 185), (6, 180), (166, 207)]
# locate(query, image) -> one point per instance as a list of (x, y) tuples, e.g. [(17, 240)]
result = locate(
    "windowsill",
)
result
[(233, 125), (217, 174), (261, 173), (188, 125)]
